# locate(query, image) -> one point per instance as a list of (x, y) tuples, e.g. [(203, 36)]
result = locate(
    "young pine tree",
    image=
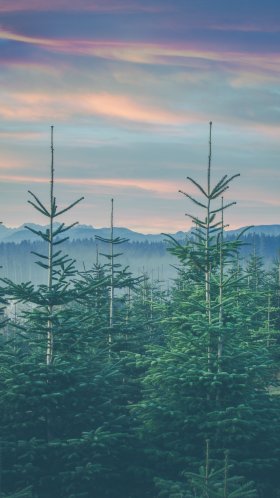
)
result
[(210, 381), (63, 417)]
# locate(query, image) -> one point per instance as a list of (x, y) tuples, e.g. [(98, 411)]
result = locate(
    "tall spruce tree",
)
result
[(63, 418), (210, 380)]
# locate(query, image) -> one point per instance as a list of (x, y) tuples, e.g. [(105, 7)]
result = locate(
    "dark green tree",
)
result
[(211, 378), (64, 424)]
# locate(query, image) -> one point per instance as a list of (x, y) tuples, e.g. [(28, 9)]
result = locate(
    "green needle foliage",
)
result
[(211, 378), (208, 483), (110, 385), (120, 285), (24, 493), (64, 422), (48, 298)]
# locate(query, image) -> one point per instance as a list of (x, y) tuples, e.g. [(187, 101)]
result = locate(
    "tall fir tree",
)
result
[(64, 425), (210, 381)]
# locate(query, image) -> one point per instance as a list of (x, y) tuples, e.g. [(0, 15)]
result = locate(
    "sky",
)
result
[(130, 87)]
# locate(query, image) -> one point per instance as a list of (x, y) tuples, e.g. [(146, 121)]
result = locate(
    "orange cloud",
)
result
[(20, 135), (21, 178), (36, 106), (10, 163), (33, 107), (169, 224), (268, 130), (162, 186), (123, 107)]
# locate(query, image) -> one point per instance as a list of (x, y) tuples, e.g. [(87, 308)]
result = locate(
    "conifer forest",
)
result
[(115, 386)]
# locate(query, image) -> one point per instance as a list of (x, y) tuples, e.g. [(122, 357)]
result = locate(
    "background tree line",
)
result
[(17, 259)]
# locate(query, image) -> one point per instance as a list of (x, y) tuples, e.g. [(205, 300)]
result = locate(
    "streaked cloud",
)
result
[(180, 54), (83, 5), (114, 183), (249, 27), (131, 87), (38, 106), (253, 79), (19, 135)]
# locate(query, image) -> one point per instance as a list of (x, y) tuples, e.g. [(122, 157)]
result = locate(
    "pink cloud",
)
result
[(170, 222), (270, 131), (245, 79), (8, 35), (83, 5), (152, 53), (247, 27), (36, 106), (156, 224), (29, 107), (122, 107), (9, 163), (20, 135), (155, 185)]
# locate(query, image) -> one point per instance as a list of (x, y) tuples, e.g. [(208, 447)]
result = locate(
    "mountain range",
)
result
[(82, 232), (143, 253)]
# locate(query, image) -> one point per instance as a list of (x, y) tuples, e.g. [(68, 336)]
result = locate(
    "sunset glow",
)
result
[(130, 87)]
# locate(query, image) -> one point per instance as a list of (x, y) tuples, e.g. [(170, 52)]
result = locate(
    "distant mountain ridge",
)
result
[(82, 232), (272, 230), (142, 254)]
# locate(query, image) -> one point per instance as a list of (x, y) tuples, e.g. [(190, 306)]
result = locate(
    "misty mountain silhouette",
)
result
[(81, 232)]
